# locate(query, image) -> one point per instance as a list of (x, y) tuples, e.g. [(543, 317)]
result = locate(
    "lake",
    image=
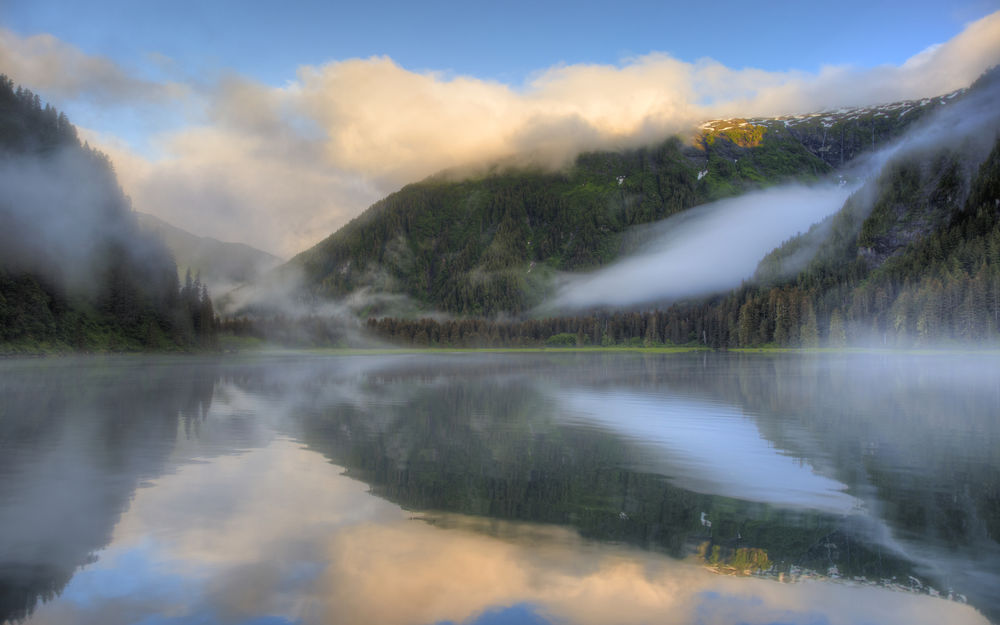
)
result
[(589, 488)]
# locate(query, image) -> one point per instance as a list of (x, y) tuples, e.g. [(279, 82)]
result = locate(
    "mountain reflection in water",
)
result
[(499, 488)]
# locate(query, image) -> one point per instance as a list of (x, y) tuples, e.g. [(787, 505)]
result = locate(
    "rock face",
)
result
[(839, 136), (919, 196), (835, 137)]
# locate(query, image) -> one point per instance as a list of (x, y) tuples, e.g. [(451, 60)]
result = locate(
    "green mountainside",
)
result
[(909, 259), (913, 258), (219, 264), (76, 272), (489, 244)]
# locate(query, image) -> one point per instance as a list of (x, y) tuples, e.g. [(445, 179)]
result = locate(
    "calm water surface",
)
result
[(501, 488)]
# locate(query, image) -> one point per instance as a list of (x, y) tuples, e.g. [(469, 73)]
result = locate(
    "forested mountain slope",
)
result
[(75, 270), (489, 244), (913, 258)]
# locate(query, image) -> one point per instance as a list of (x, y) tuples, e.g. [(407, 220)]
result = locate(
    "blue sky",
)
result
[(506, 41), (275, 123)]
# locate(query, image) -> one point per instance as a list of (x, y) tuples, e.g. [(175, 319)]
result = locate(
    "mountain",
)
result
[(912, 258), (489, 244), (838, 136), (220, 265), (76, 272)]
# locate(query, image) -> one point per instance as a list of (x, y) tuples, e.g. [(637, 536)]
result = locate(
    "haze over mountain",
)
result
[(497, 242), (501, 241), (714, 248), (218, 264), (76, 272)]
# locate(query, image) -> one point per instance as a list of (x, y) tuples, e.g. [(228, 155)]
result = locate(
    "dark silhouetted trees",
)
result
[(75, 270)]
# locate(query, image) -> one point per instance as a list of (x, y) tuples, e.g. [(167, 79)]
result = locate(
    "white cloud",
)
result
[(281, 168), (46, 64)]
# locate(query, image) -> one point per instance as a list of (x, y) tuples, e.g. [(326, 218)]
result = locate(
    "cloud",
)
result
[(753, 469), (706, 249), (46, 64), (283, 167), (233, 186)]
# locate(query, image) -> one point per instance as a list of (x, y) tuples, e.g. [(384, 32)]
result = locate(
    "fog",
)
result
[(59, 212), (716, 246), (286, 311), (706, 249)]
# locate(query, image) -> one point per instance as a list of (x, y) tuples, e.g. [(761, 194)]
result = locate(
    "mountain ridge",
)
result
[(219, 264), (489, 245), (933, 284)]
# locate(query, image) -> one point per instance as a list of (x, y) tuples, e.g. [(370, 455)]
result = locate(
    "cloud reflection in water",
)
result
[(279, 535), (708, 447)]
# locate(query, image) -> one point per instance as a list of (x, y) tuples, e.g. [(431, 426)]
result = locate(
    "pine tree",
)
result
[(810, 328), (837, 336)]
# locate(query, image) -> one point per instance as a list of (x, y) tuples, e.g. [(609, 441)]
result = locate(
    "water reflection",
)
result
[(708, 447), (346, 557), (76, 439), (552, 488)]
